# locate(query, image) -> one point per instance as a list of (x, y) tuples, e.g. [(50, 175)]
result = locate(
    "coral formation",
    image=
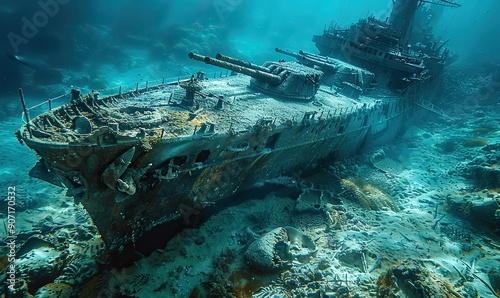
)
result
[(198, 39), (61, 256), (266, 254), (494, 277), (97, 286), (478, 208), (244, 284), (368, 196), (483, 169), (59, 290), (277, 248), (412, 279)]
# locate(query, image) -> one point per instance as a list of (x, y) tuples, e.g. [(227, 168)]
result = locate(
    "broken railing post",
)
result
[(26, 112), (136, 87), (75, 94)]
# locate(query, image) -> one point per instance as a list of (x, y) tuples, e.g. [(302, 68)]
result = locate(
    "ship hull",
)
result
[(182, 181), (141, 160)]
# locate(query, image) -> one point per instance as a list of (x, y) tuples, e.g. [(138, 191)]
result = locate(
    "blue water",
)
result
[(95, 39), (49, 47)]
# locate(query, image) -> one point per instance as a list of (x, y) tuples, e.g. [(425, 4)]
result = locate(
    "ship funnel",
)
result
[(402, 15)]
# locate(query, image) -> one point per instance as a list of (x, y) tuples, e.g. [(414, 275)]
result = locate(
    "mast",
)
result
[(403, 13)]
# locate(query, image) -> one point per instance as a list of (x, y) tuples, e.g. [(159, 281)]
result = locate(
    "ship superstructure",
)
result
[(386, 47)]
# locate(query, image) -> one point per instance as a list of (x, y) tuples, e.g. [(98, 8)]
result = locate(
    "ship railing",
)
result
[(432, 108), (366, 40), (53, 102), (333, 27), (118, 90)]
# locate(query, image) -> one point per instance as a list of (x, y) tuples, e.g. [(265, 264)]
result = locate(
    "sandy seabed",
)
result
[(419, 217)]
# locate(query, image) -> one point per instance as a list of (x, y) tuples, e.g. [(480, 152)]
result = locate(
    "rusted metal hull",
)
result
[(178, 185), (144, 158)]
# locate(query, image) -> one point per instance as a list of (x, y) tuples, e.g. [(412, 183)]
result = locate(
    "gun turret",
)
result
[(285, 79), (254, 73), (336, 72)]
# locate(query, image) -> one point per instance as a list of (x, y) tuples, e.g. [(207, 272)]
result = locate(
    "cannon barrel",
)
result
[(254, 73), (195, 56), (313, 56), (286, 52), (309, 59), (319, 60), (241, 62)]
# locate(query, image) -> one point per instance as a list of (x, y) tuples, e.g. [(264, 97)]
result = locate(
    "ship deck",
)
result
[(155, 111)]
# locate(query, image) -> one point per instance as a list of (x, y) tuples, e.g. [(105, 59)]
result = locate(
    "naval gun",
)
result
[(283, 79), (312, 60), (336, 72)]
